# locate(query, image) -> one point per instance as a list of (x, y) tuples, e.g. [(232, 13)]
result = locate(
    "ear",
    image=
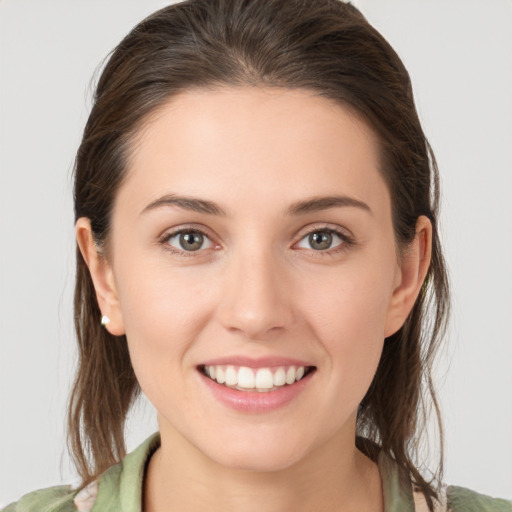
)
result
[(102, 277), (413, 268)]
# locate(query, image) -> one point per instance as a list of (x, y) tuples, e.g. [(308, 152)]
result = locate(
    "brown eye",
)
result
[(189, 241)]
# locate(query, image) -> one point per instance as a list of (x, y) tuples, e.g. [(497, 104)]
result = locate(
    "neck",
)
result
[(335, 477)]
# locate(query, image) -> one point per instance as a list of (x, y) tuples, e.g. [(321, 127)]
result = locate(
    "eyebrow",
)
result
[(317, 204), (302, 207), (186, 203)]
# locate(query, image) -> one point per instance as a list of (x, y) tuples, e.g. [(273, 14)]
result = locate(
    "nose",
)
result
[(256, 296)]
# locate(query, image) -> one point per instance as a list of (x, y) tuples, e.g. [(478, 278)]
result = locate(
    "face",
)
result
[(254, 271)]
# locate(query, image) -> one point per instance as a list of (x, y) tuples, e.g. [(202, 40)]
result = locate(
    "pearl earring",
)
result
[(105, 320)]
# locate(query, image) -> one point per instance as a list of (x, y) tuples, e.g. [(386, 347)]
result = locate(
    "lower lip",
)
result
[(256, 401)]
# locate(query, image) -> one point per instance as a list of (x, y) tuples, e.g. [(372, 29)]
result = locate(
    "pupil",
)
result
[(320, 240), (191, 241)]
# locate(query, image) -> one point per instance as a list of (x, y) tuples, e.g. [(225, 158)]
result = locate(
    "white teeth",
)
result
[(261, 379), (290, 375), (231, 376), (280, 377), (246, 378), (264, 379), (219, 375)]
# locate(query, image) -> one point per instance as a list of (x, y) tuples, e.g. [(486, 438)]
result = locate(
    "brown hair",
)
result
[(326, 46)]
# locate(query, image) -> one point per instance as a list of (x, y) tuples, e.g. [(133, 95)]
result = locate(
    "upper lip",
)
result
[(251, 362)]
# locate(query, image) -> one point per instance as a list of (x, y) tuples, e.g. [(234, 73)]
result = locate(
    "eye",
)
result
[(189, 240), (321, 240)]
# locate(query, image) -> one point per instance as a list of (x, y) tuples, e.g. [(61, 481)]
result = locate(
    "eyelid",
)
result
[(323, 226)]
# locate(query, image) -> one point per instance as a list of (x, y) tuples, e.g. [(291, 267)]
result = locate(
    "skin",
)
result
[(256, 288)]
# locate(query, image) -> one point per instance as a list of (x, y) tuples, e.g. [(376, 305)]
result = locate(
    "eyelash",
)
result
[(346, 241), (164, 240)]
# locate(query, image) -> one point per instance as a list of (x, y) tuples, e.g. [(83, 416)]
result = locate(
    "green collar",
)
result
[(120, 487)]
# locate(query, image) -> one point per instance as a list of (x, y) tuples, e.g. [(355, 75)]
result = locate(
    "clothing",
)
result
[(119, 489)]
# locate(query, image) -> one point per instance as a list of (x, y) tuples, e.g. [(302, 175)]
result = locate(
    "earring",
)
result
[(105, 320)]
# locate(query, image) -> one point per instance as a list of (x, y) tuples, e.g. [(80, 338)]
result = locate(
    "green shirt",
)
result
[(119, 489)]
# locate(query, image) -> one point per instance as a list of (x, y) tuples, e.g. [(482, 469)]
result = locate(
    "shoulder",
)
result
[(64, 498), (461, 499), (117, 486), (57, 499), (52, 499)]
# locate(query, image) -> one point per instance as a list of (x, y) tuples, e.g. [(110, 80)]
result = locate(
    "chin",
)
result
[(266, 462), (258, 455)]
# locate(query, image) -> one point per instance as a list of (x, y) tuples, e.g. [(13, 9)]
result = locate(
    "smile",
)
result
[(243, 378)]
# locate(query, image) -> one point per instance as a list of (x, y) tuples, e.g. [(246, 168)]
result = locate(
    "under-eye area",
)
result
[(244, 378)]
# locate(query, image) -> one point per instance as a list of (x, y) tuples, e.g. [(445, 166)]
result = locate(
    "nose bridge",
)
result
[(255, 298)]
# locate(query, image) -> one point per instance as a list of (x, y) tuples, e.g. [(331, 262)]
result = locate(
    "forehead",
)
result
[(259, 141)]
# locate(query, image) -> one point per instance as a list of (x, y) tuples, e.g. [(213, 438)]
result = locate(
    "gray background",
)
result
[(459, 54)]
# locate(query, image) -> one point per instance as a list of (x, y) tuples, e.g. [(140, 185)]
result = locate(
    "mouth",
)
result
[(262, 380)]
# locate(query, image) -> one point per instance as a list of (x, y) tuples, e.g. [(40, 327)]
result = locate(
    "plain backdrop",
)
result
[(459, 54)]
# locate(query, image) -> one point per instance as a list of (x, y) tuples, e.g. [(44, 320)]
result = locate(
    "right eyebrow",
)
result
[(185, 203)]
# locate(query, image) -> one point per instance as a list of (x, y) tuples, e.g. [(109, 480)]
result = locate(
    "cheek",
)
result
[(348, 314), (353, 301), (163, 312)]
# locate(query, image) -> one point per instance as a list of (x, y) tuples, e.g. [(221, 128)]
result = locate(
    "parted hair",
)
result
[(324, 46)]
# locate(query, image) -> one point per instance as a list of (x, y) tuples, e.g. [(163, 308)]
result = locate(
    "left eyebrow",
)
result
[(316, 204)]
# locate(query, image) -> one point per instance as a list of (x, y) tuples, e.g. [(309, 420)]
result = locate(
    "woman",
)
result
[(256, 211)]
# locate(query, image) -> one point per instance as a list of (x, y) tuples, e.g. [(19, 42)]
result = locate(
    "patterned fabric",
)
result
[(85, 499), (119, 489)]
